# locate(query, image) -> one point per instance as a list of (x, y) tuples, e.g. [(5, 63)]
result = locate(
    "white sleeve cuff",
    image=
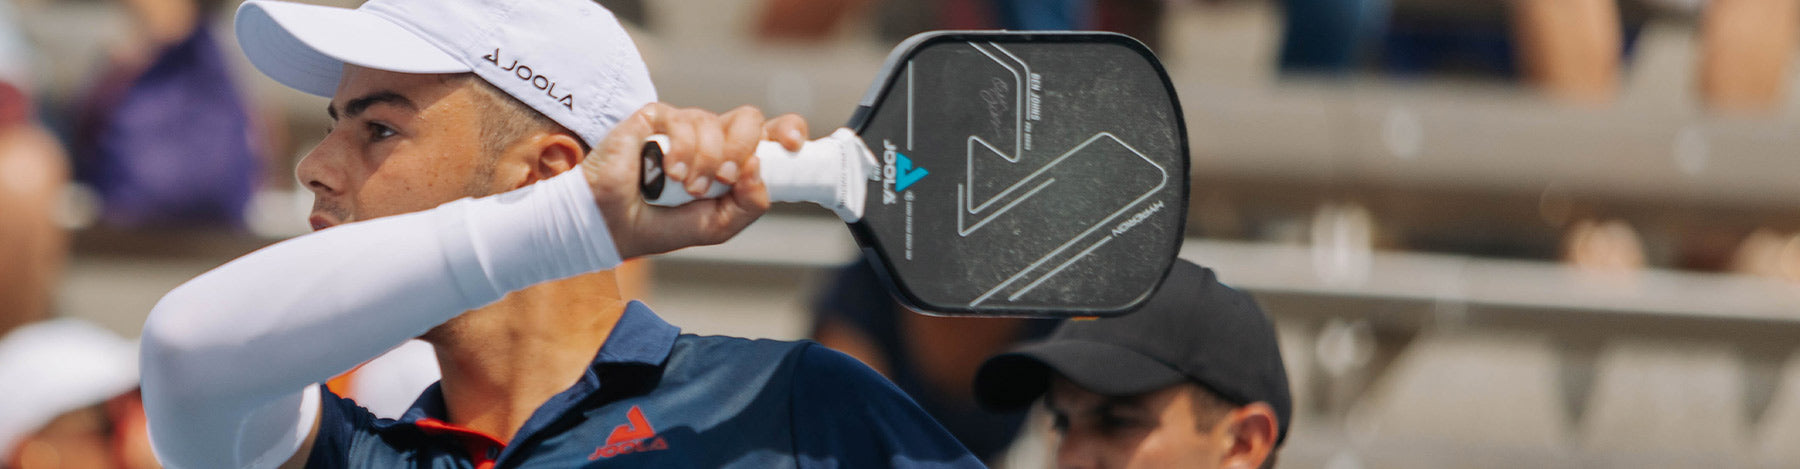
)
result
[(547, 231)]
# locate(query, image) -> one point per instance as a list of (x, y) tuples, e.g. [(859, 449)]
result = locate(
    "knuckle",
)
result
[(656, 109)]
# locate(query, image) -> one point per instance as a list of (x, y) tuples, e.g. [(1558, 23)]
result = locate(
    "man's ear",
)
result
[(1253, 429), (552, 154)]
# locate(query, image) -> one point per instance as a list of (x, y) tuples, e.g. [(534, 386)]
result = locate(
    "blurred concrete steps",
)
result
[(1497, 389), (1669, 401), (1779, 431)]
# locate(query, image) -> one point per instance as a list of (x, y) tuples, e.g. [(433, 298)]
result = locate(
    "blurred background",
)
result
[(1492, 233)]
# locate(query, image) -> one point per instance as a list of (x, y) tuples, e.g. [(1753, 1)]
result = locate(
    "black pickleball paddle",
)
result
[(1001, 173)]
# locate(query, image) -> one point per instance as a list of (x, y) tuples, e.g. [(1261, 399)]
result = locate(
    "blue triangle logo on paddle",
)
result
[(907, 174)]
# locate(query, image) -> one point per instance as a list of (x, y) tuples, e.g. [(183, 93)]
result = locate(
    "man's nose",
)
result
[(321, 170)]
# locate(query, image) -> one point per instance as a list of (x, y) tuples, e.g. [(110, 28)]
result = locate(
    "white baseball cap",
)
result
[(54, 367), (568, 59)]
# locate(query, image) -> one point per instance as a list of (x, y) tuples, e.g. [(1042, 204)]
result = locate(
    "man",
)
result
[(1194, 379), (71, 399), (34, 173), (70, 394), (543, 364)]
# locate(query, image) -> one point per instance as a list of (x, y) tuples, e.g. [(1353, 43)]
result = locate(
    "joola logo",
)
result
[(897, 172), (908, 174), (524, 72), (635, 436)]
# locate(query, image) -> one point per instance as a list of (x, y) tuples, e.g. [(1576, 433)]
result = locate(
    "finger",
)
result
[(743, 131), (616, 157), (750, 194), (709, 150), (641, 123), (629, 135), (749, 199), (613, 175), (677, 159), (789, 129)]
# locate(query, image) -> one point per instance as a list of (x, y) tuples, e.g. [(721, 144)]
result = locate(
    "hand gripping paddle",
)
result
[(1000, 173)]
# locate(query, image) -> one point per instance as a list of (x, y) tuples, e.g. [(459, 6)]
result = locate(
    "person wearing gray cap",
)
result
[(1193, 379)]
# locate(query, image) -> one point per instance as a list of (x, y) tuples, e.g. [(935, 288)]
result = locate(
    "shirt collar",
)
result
[(639, 338)]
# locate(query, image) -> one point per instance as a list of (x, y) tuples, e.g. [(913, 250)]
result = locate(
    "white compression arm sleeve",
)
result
[(229, 356)]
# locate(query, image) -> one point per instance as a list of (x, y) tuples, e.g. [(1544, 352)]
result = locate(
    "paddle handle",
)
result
[(831, 172)]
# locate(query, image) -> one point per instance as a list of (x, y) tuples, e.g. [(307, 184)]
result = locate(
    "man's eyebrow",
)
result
[(358, 105)]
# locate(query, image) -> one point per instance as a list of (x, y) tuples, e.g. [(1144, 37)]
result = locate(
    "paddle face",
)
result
[(1024, 174)]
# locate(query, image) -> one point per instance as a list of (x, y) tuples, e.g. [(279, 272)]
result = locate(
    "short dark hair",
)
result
[(505, 120), (1209, 408)]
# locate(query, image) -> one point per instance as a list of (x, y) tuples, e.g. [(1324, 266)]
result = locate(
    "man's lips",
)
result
[(319, 222)]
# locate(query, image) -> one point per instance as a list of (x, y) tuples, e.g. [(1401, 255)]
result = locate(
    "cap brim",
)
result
[(306, 46), (57, 366), (1014, 380)]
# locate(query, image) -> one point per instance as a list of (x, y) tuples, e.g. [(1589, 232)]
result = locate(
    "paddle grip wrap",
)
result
[(831, 172)]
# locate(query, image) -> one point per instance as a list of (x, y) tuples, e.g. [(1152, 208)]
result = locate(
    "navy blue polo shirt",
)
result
[(654, 397)]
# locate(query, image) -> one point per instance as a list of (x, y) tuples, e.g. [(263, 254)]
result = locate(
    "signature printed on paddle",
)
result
[(1133, 222), (995, 96)]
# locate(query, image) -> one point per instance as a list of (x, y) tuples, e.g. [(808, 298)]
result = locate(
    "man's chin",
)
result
[(441, 333)]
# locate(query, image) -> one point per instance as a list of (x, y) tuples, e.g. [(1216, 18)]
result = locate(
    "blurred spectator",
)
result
[(1194, 379), (1566, 47), (1746, 48), (1604, 246), (34, 173), (928, 357), (33, 247), (1768, 253), (1329, 36), (71, 399), (815, 20), (1570, 49), (1043, 14), (164, 137)]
